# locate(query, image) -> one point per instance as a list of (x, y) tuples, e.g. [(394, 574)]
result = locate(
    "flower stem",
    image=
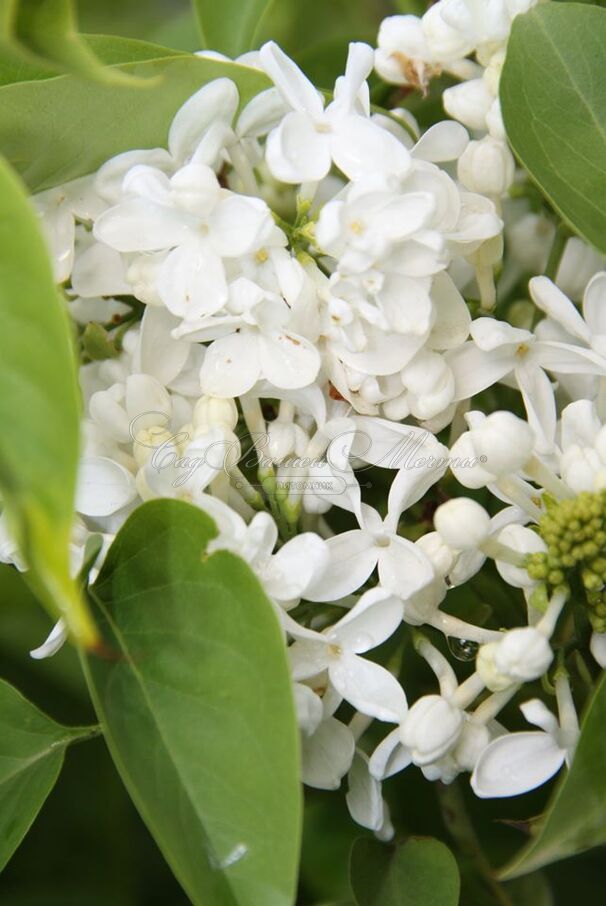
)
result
[(471, 856)]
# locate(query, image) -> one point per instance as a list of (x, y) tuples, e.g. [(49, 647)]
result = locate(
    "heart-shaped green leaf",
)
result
[(32, 747), (39, 409), (419, 872), (553, 98), (196, 703), (576, 817)]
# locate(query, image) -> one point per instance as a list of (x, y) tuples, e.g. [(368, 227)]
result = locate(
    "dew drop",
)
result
[(463, 649)]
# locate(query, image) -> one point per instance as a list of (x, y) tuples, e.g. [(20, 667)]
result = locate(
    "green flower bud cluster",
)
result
[(575, 534)]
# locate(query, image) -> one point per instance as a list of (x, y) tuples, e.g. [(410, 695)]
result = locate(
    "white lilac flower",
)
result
[(195, 223), (498, 350), (518, 762), (370, 688), (311, 137)]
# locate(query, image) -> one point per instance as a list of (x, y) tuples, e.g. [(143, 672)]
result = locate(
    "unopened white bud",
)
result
[(214, 411), (462, 523), (487, 167), (506, 442), (450, 40), (494, 121), (492, 678), (431, 728), (581, 468), (402, 56), (281, 440), (147, 440), (524, 654), (440, 554), (468, 103), (472, 742)]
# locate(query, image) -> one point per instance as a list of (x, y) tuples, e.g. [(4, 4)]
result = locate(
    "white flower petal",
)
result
[(474, 369), (140, 225), (594, 304), (423, 465), (390, 757), (191, 281), (516, 763), (231, 366), (403, 567), (373, 619), (364, 799), (452, 317), (159, 355), (110, 176), (53, 643), (443, 141), (597, 646), (292, 83), (288, 360), (308, 657), (539, 401), (367, 686), (147, 401), (217, 100), (239, 225), (104, 486), (326, 756), (546, 295), (300, 563), (536, 712), (295, 152), (360, 147), (309, 709), (353, 557), (99, 271)]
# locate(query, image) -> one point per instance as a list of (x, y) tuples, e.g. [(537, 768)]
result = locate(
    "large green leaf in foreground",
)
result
[(38, 409), (47, 30), (576, 818), (419, 872), (32, 747), (195, 699), (55, 129), (553, 97)]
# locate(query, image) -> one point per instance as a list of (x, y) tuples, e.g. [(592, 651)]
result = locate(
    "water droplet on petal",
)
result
[(463, 649)]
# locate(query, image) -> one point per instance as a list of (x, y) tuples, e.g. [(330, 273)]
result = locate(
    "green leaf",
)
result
[(39, 409), (110, 50), (230, 26), (419, 872), (32, 747), (46, 30), (195, 700), (53, 130), (575, 819), (553, 97)]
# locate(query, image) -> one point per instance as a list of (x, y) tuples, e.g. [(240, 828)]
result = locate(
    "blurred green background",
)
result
[(88, 846)]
